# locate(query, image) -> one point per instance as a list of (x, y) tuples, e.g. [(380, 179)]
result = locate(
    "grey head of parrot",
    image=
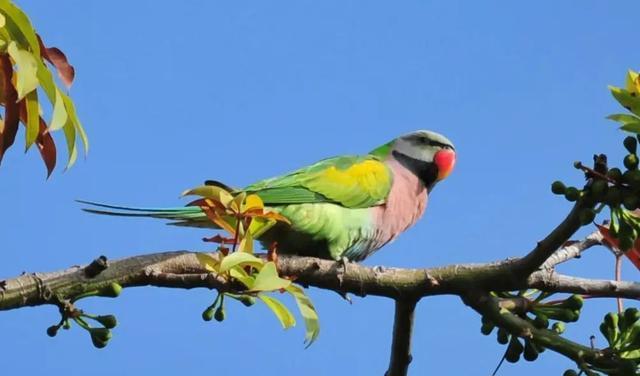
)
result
[(429, 155)]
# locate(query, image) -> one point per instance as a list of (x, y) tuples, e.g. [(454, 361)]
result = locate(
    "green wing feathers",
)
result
[(351, 181)]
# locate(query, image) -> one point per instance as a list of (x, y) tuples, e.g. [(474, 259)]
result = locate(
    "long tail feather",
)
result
[(185, 216)]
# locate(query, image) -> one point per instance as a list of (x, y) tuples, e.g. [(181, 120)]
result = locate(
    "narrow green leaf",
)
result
[(71, 112), (631, 127), (282, 313), (46, 81), (268, 279), (19, 26), (238, 273), (33, 118), (246, 244), (240, 259), (212, 192), (632, 103), (27, 80), (70, 136), (624, 118), (259, 226), (631, 81), (308, 312), (210, 263), (59, 116)]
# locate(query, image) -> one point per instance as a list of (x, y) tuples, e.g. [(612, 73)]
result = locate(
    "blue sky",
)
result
[(174, 93)]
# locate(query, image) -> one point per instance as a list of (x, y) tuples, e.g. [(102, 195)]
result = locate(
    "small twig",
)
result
[(573, 250), (595, 173), (618, 277), (96, 267), (401, 343)]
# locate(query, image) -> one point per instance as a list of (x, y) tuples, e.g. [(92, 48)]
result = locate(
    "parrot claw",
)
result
[(379, 269), (345, 296), (342, 263)]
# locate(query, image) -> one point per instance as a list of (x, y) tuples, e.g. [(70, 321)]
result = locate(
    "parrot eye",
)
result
[(427, 141)]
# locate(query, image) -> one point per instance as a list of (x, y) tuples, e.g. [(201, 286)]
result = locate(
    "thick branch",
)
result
[(181, 269), (402, 331), (549, 245)]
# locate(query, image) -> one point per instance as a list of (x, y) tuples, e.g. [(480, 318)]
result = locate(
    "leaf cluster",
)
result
[(25, 77), (244, 218)]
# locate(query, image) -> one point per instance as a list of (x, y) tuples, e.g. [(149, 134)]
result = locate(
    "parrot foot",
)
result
[(342, 269), (379, 269)]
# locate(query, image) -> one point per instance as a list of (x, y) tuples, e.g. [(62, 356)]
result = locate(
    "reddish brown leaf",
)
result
[(66, 71), (11, 112), (219, 239), (47, 147), (633, 254)]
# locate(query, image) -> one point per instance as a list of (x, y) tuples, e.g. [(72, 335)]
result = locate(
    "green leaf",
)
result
[(59, 116), (212, 192), (242, 276), (630, 83), (19, 26), (33, 118), (308, 312), (624, 118), (282, 313), (71, 112), (210, 263), (70, 136), (240, 259), (259, 226), (632, 103), (268, 279), (27, 80), (631, 127), (246, 243)]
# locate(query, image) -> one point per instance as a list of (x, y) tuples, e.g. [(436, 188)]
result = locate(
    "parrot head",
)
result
[(429, 155)]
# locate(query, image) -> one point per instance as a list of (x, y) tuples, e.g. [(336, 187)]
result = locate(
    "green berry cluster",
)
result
[(618, 190), (622, 331), (567, 310), (100, 336), (215, 310), (539, 314), (625, 226)]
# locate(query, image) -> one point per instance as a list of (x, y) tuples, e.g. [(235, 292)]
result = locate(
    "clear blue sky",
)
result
[(173, 93)]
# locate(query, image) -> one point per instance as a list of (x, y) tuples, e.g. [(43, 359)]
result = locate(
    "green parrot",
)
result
[(340, 207)]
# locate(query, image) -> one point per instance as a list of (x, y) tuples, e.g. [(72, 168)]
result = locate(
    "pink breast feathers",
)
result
[(404, 206)]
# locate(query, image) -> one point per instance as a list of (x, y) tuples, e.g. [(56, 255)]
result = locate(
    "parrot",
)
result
[(341, 208)]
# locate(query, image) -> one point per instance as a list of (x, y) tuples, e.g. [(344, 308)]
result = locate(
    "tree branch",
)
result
[(554, 241), (573, 250), (402, 331), (181, 269)]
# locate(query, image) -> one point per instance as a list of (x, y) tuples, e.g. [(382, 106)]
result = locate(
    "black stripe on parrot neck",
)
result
[(427, 172)]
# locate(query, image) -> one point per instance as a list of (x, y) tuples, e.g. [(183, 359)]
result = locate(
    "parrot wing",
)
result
[(350, 181)]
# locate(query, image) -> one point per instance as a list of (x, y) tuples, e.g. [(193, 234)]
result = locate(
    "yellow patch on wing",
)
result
[(361, 184)]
